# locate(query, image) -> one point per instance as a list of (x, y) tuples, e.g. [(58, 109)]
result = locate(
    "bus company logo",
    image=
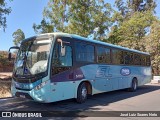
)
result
[(79, 76), (125, 71), (103, 72)]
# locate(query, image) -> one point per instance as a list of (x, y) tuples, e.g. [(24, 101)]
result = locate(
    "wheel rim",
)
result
[(84, 93)]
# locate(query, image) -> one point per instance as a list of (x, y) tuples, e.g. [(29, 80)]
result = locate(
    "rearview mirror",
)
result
[(63, 48), (63, 51), (10, 55)]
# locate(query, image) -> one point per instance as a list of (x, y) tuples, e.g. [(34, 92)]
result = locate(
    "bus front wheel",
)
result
[(82, 93)]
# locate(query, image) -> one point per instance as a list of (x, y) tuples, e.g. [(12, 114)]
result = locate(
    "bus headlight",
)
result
[(38, 87)]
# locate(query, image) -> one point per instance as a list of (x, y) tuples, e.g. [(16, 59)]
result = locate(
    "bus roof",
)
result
[(91, 40)]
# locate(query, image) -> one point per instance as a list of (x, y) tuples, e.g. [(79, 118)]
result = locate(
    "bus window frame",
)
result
[(80, 63), (67, 39)]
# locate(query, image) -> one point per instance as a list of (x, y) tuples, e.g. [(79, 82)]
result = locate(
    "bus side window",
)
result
[(137, 59), (103, 55), (148, 62), (143, 60), (61, 63), (108, 55), (84, 52), (117, 56), (131, 62), (126, 58)]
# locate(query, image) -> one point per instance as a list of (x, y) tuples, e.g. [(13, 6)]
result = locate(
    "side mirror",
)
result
[(63, 51), (9, 56), (63, 48)]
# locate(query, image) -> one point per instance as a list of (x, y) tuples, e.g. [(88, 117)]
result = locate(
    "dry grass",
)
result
[(5, 86)]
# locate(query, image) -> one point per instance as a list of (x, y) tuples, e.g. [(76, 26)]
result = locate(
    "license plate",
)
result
[(22, 96)]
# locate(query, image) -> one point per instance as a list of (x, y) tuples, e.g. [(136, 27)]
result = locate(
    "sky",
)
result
[(24, 14)]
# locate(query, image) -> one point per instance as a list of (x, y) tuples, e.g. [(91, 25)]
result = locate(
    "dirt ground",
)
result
[(5, 85)]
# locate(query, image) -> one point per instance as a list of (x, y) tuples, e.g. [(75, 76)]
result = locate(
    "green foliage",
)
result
[(132, 21), (77, 17), (127, 8), (4, 58), (88, 15), (57, 13), (44, 27), (18, 36), (114, 35), (132, 31), (152, 41), (3, 11)]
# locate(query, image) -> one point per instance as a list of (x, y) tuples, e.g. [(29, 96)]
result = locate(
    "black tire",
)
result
[(134, 85), (82, 93)]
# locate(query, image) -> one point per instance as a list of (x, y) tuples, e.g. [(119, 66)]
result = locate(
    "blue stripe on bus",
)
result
[(69, 75)]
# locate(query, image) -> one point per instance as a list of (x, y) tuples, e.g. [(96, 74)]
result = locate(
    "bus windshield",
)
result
[(32, 57)]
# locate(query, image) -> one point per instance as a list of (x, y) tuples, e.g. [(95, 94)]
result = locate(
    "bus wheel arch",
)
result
[(89, 87), (134, 85), (83, 91)]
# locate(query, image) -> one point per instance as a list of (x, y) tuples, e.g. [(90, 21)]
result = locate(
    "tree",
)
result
[(18, 36), (132, 31), (152, 43), (44, 27), (57, 13), (132, 21), (129, 7), (78, 17), (141, 5), (114, 36), (87, 15), (3, 11)]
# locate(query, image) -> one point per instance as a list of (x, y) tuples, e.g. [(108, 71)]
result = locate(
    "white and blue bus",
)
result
[(58, 66)]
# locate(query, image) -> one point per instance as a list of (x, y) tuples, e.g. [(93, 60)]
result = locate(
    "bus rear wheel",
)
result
[(82, 93), (134, 85)]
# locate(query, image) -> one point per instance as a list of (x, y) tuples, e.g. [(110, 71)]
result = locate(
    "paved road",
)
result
[(146, 98)]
